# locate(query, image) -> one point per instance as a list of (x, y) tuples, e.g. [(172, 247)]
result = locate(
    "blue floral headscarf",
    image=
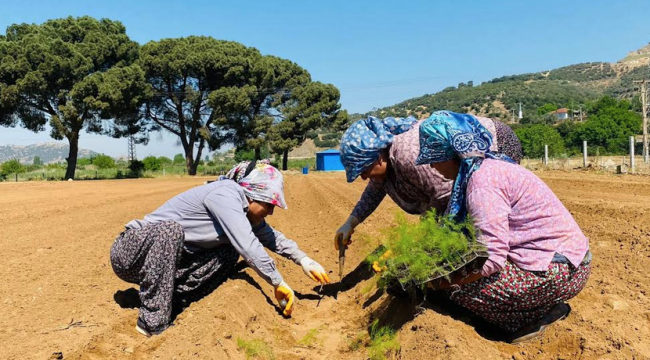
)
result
[(364, 140), (446, 135)]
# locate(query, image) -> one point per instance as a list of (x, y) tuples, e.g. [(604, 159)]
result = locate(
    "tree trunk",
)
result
[(285, 158), (189, 161), (73, 140), (258, 153)]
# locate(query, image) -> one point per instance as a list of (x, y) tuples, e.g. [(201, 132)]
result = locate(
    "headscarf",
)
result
[(362, 143), (264, 183), (446, 135)]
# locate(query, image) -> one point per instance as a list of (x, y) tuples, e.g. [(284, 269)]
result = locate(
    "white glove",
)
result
[(314, 270), (345, 232)]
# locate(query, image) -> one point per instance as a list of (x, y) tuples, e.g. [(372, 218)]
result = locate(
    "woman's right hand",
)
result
[(283, 293), (344, 233)]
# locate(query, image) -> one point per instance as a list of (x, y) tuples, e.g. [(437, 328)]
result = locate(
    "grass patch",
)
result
[(298, 164), (310, 340), (431, 248), (360, 341), (255, 349), (383, 342)]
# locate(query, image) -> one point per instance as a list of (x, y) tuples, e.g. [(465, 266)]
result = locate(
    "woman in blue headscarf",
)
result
[(385, 151), (538, 257)]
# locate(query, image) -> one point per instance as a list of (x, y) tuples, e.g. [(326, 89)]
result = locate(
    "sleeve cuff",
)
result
[(276, 279), (490, 267)]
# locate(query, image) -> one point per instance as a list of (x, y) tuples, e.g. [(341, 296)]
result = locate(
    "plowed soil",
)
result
[(58, 293)]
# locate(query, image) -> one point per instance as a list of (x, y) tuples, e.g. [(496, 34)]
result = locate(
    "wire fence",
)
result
[(620, 164), (91, 173)]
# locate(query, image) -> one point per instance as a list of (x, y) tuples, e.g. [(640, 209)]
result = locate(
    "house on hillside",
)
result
[(561, 114)]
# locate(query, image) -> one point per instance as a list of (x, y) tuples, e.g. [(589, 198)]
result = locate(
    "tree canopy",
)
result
[(534, 137), (183, 72), (73, 73), (309, 107)]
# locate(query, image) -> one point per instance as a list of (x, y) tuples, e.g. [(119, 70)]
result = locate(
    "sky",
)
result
[(377, 53)]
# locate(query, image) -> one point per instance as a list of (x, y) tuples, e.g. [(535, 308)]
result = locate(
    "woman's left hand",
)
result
[(314, 270)]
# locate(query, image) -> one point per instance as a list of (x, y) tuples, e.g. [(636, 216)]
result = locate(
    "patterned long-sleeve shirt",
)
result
[(520, 219), (416, 188), (213, 215)]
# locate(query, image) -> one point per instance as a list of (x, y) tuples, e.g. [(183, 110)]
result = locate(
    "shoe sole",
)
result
[(539, 332), (142, 331)]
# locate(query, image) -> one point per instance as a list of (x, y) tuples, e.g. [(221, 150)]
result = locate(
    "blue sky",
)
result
[(377, 53)]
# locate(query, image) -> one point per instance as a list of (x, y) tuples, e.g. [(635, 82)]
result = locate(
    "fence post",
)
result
[(16, 177), (632, 164), (545, 155), (584, 153)]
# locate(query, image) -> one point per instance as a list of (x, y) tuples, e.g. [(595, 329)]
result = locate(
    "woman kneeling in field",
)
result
[(538, 257), (191, 244), (385, 151)]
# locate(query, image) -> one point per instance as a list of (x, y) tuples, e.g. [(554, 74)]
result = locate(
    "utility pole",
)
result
[(513, 115), (644, 110), (580, 113)]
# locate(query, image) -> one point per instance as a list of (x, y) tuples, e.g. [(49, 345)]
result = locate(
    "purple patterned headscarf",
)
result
[(264, 183)]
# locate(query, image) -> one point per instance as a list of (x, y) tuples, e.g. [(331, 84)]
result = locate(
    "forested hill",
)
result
[(568, 87)]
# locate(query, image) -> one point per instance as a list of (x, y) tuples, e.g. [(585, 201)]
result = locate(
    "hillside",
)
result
[(567, 86), (48, 152)]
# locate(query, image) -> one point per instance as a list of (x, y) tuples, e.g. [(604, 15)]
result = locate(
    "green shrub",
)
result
[(103, 162), (164, 160), (434, 247), (325, 143), (135, 168), (312, 134), (12, 167), (152, 163), (332, 136)]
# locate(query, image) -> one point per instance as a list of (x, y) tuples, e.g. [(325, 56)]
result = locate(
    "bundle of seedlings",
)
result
[(419, 253)]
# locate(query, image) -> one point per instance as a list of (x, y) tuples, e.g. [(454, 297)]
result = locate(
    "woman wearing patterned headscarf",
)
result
[(385, 152), (188, 246), (538, 257)]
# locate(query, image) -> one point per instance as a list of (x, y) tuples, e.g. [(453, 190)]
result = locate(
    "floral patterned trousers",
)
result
[(154, 258), (512, 297)]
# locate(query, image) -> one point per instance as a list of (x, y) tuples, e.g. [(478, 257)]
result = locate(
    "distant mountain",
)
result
[(568, 86), (48, 152)]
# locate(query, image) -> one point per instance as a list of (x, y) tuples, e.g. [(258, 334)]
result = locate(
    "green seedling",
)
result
[(361, 340), (431, 248), (255, 349), (383, 342), (310, 340)]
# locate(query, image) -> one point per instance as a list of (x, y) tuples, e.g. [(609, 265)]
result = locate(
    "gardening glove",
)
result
[(283, 293), (346, 230), (314, 270), (375, 265)]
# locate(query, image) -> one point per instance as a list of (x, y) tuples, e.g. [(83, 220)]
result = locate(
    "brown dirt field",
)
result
[(57, 291)]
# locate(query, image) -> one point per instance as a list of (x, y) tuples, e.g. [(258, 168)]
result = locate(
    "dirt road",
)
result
[(59, 294)]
